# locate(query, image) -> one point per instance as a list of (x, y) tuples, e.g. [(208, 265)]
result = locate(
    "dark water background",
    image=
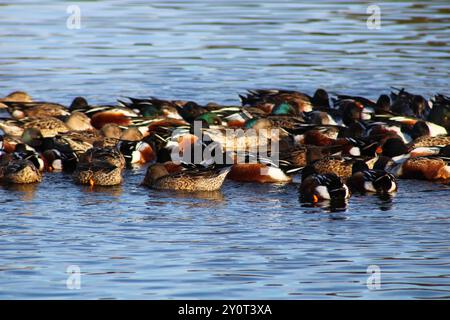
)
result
[(247, 241)]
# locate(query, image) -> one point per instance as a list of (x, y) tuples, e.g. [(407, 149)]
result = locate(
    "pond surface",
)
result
[(247, 241)]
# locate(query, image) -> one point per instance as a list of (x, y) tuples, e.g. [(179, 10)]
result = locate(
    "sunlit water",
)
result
[(247, 241)]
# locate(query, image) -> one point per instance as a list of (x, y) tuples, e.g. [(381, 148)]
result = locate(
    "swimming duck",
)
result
[(318, 187), (365, 180), (393, 147), (79, 121), (158, 177), (49, 126), (138, 152), (300, 101), (427, 141), (24, 152), (440, 113), (110, 156), (381, 106), (425, 168), (153, 107), (11, 127), (19, 171), (17, 96), (38, 109), (257, 172), (407, 104), (422, 168), (97, 174), (56, 161)]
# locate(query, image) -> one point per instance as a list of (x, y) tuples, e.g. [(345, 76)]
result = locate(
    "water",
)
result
[(247, 241)]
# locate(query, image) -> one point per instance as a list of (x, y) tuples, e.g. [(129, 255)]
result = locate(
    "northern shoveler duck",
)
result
[(300, 101), (21, 110), (440, 113), (79, 104), (103, 115), (257, 172), (424, 128), (340, 166), (49, 126), (365, 180), (111, 130), (407, 104), (394, 147), (154, 107), (131, 134), (25, 152), (317, 187), (158, 177), (97, 174), (425, 168), (17, 96), (428, 141), (350, 111), (56, 160), (381, 106), (78, 121), (19, 171), (136, 152), (11, 127), (421, 168), (110, 156)]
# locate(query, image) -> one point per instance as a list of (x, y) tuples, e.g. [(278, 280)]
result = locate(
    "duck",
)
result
[(97, 174), (37, 109), (136, 152), (408, 104), (300, 101), (158, 177), (365, 180), (428, 141), (48, 126), (11, 127), (257, 172), (20, 171), (57, 161), (440, 113), (79, 121), (381, 106), (316, 187), (420, 168), (25, 152), (324, 164), (110, 156), (393, 147), (17, 96), (102, 115), (424, 168), (153, 107)]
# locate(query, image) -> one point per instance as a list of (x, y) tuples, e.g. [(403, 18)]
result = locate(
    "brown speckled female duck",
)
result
[(158, 177), (20, 171)]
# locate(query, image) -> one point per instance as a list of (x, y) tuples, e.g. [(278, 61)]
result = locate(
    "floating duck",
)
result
[(158, 177)]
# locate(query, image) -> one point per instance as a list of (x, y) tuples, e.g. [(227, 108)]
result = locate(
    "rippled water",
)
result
[(247, 241)]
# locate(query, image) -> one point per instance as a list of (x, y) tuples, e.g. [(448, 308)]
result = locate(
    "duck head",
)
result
[(79, 121), (154, 172), (321, 99)]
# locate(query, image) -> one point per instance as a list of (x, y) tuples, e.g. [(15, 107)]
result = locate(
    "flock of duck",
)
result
[(339, 144)]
